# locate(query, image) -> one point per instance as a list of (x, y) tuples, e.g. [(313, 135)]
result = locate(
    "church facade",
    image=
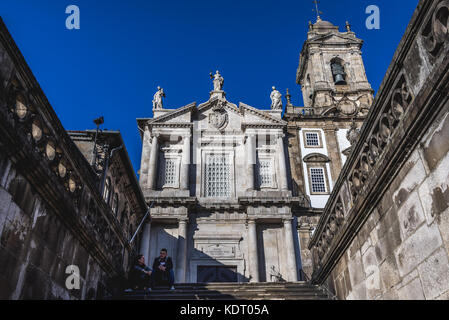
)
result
[(236, 191), (216, 176)]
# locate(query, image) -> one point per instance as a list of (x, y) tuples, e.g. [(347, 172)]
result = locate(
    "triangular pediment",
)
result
[(175, 116), (216, 101), (253, 115)]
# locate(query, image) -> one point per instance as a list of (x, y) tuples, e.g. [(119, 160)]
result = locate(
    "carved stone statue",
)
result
[(218, 81), (353, 133), (348, 26), (275, 276), (276, 99), (157, 99)]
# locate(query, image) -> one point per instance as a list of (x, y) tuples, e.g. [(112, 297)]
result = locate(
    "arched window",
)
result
[(338, 71), (115, 204), (317, 172), (107, 190)]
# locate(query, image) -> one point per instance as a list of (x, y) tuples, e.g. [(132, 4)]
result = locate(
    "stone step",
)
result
[(232, 291)]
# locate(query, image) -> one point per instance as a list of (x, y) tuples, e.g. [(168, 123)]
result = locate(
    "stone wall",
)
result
[(51, 212), (383, 233), (36, 247), (401, 252)]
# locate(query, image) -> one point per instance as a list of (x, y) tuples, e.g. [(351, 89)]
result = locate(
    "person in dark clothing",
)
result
[(140, 275), (163, 270)]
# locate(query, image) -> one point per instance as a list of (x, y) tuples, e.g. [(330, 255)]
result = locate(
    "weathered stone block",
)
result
[(410, 215), (411, 291), (370, 264), (389, 241), (415, 174), (389, 274), (390, 295), (373, 285), (5, 201), (417, 248), (443, 225), (434, 191), (437, 147), (358, 292), (356, 272), (434, 274)]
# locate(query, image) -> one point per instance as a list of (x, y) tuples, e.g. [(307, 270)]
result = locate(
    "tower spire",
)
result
[(317, 10)]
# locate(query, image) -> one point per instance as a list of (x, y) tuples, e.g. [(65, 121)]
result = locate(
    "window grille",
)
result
[(312, 139), (317, 178), (217, 176), (265, 168), (169, 173)]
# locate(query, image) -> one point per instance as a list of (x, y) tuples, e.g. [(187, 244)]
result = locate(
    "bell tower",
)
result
[(331, 68)]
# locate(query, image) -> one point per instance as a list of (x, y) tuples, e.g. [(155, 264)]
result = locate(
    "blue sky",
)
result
[(125, 49)]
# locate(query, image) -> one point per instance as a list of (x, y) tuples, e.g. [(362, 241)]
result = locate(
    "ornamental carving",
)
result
[(219, 118), (435, 32)]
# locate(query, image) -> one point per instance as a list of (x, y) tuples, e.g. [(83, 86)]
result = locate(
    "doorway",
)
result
[(210, 274)]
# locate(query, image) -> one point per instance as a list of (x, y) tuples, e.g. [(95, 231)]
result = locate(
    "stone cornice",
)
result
[(402, 112), (257, 125)]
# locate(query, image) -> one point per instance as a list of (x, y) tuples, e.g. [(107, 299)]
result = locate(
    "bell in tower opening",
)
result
[(338, 73)]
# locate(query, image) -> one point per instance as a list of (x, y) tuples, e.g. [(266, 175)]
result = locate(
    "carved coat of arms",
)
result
[(219, 117)]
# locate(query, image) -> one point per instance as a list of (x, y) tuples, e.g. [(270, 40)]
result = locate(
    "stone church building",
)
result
[(217, 176), (347, 194), (229, 182)]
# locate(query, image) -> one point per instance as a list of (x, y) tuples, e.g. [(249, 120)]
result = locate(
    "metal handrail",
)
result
[(141, 223)]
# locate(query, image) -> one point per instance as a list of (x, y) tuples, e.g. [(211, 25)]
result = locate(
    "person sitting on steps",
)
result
[(163, 270), (140, 275)]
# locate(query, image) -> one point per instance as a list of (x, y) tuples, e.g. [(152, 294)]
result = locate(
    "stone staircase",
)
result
[(234, 291)]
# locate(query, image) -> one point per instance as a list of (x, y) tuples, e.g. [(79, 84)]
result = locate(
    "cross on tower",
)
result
[(318, 12)]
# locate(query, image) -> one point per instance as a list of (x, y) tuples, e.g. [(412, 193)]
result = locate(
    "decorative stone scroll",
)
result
[(436, 30)]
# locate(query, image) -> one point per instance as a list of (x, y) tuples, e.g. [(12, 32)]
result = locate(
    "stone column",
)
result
[(181, 258), (333, 148), (185, 165), (251, 161), (290, 250), (143, 174), (282, 166), (145, 242), (253, 260), (154, 155)]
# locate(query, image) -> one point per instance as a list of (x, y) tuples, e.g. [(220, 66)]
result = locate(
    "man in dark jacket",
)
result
[(163, 270), (140, 274)]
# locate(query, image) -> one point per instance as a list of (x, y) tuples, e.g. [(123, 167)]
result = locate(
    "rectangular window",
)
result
[(217, 176), (169, 173), (265, 169), (317, 180), (312, 139)]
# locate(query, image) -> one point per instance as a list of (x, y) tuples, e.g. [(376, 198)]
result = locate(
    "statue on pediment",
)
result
[(276, 99), (218, 81), (157, 99)]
